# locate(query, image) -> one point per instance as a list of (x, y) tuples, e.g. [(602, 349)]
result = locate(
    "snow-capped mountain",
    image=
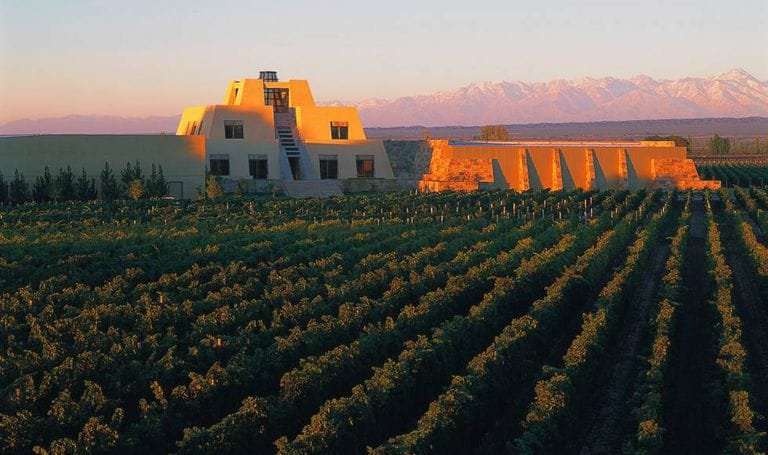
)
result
[(733, 94)]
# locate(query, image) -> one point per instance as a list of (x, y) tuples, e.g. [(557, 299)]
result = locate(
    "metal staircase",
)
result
[(294, 159)]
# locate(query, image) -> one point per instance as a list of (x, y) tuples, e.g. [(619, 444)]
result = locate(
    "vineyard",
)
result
[(486, 322), (734, 173)]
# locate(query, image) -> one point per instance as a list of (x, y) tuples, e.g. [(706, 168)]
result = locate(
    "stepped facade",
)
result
[(473, 165)]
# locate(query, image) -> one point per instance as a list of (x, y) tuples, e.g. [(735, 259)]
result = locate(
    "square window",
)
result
[(219, 164), (329, 167), (233, 129), (340, 130), (364, 166), (258, 167)]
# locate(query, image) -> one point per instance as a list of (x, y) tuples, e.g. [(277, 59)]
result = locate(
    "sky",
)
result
[(140, 58)]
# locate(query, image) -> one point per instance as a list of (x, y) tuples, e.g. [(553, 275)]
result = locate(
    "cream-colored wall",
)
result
[(182, 157), (314, 123), (258, 123), (346, 153), (238, 152)]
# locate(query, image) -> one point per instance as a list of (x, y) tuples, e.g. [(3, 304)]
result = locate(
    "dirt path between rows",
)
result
[(690, 408), (606, 433)]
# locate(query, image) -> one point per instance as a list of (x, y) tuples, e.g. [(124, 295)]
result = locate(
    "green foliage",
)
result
[(18, 190), (413, 321), (64, 186), (109, 188), (42, 190), (3, 189), (85, 189), (156, 185)]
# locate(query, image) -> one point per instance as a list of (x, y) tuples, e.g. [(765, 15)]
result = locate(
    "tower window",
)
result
[(258, 166), (364, 166), (233, 129), (329, 167), (219, 164), (340, 130)]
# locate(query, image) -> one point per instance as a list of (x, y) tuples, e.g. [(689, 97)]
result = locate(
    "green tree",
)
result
[(3, 190), (135, 189), (64, 185), (757, 144), (109, 189), (85, 190), (156, 185), (494, 133), (213, 188), (43, 188), (719, 145), (18, 190)]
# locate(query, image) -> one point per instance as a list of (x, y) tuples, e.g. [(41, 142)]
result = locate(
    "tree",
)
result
[(85, 190), (135, 189), (64, 185), (131, 173), (19, 190), (3, 190), (109, 189), (494, 133), (156, 185), (757, 144), (213, 188), (42, 190), (719, 145)]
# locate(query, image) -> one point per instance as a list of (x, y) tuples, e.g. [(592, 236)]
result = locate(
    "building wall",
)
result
[(238, 152), (182, 157), (314, 123), (509, 162), (346, 153)]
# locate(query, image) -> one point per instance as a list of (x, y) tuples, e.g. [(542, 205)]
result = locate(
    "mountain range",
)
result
[(735, 93)]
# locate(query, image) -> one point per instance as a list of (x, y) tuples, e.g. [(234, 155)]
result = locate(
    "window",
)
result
[(329, 167), (339, 130), (257, 166), (219, 164), (276, 97), (200, 128), (233, 129), (194, 128), (364, 166)]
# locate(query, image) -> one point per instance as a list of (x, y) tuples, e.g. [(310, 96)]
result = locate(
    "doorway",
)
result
[(293, 161)]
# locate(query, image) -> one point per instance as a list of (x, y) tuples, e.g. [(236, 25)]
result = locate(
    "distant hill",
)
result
[(738, 128), (92, 124), (735, 93)]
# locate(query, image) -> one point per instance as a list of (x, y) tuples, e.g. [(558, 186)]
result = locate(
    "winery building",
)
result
[(270, 135)]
